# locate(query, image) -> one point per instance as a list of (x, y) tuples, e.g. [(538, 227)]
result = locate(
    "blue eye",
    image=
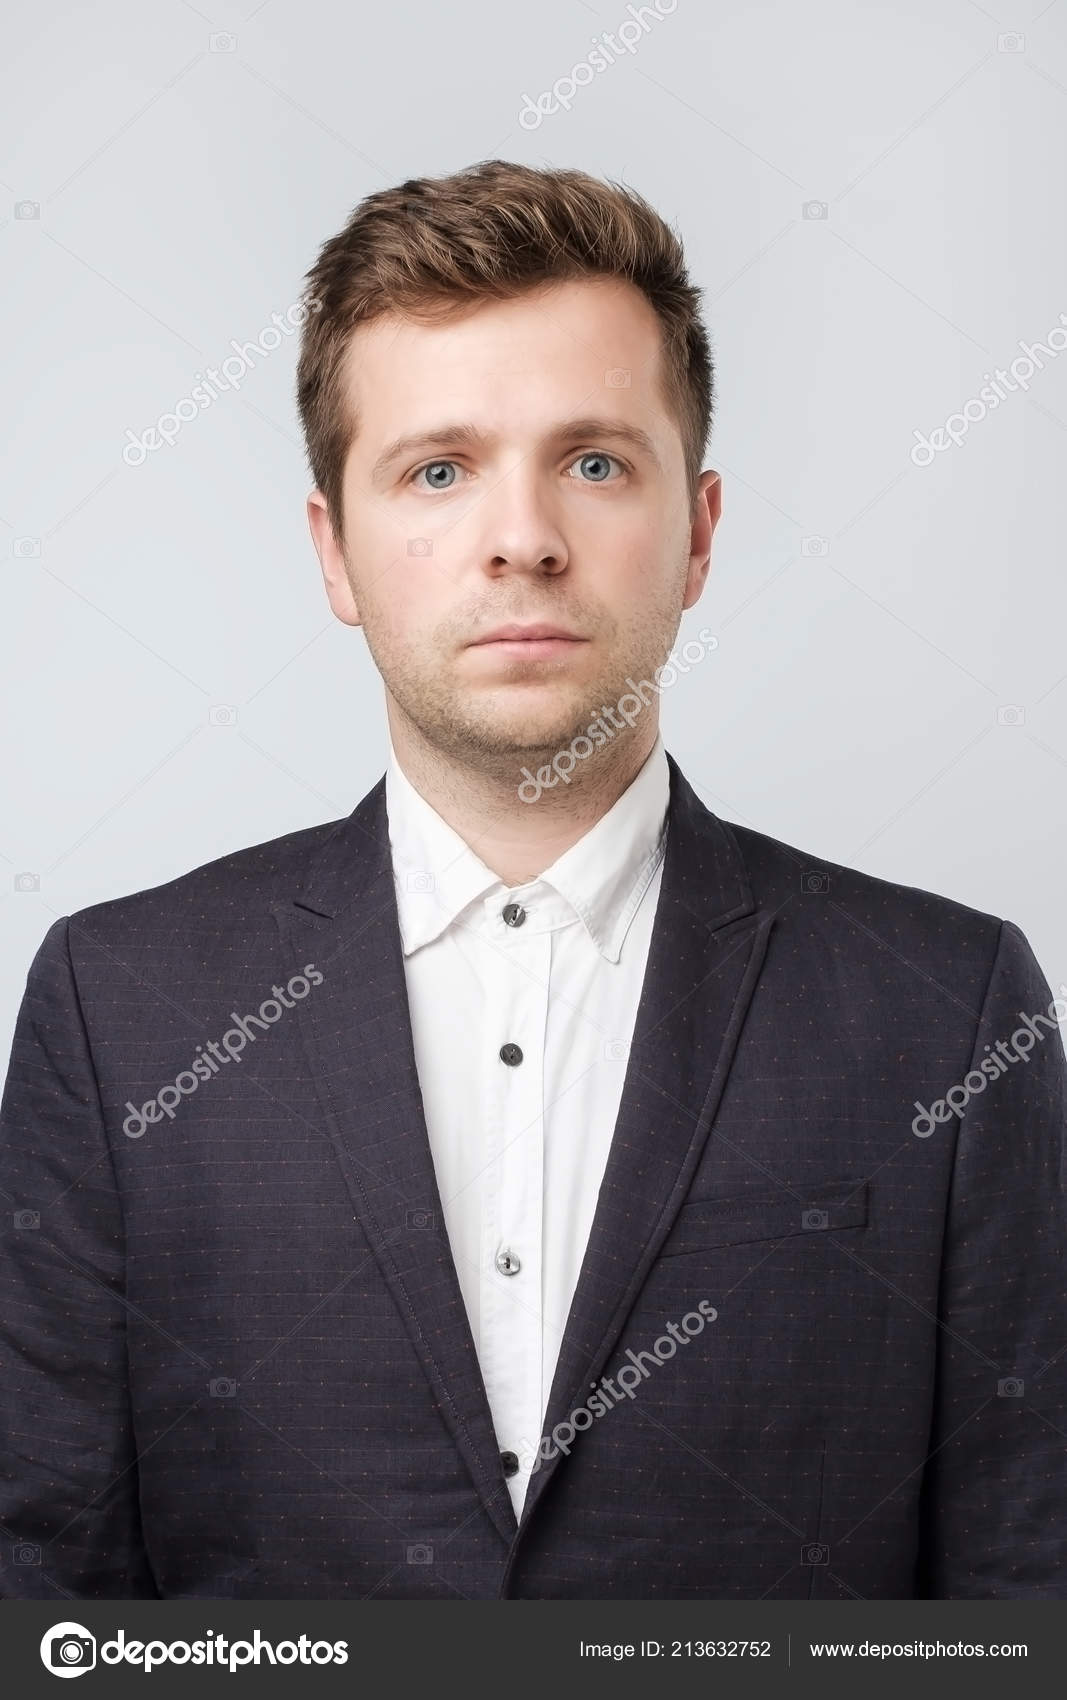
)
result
[(442, 474), (598, 460), (435, 466)]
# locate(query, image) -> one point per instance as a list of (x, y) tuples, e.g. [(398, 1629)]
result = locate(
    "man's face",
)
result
[(526, 498)]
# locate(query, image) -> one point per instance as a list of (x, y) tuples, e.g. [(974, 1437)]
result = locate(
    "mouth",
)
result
[(529, 642)]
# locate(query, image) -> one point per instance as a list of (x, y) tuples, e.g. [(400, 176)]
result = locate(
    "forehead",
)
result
[(588, 344)]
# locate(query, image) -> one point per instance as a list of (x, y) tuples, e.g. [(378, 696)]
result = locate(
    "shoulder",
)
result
[(228, 897), (869, 919)]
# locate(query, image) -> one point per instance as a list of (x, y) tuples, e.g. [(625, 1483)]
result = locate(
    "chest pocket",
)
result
[(767, 1213)]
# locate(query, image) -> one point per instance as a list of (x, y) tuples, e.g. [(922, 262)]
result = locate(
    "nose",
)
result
[(520, 529)]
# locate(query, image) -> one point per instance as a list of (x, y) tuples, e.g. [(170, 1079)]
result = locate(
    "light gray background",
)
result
[(855, 706)]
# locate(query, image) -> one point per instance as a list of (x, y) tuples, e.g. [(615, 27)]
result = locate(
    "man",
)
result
[(531, 1186)]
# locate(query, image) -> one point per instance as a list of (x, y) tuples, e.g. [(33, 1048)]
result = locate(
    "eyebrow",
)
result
[(461, 434)]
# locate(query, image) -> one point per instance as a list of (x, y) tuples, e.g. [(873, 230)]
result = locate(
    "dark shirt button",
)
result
[(510, 1463), (510, 1054), (514, 914)]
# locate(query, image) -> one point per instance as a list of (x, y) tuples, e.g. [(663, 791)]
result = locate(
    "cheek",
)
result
[(404, 606), (639, 569), (383, 573)]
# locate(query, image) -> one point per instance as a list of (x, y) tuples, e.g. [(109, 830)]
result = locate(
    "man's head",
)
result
[(506, 392)]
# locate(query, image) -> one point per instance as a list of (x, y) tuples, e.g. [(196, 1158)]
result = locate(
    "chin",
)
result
[(524, 733)]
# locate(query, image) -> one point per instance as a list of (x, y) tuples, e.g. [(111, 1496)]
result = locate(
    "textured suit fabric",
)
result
[(234, 1357)]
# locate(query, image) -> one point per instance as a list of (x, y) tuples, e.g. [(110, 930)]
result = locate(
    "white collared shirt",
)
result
[(519, 1146)]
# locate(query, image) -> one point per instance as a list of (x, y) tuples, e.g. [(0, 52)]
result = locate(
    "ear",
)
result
[(331, 559), (707, 510)]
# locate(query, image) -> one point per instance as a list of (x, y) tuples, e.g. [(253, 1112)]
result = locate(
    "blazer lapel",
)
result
[(357, 1031), (705, 956)]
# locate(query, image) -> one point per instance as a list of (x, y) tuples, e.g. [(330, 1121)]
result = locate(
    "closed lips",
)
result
[(528, 634)]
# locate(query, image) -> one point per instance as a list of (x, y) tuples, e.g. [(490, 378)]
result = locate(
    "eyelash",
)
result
[(443, 460)]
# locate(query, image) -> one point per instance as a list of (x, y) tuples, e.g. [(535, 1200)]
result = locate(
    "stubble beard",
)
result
[(501, 728)]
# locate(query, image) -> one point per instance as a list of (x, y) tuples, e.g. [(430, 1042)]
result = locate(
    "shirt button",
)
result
[(507, 1262), (510, 1462), (514, 914), (511, 1054)]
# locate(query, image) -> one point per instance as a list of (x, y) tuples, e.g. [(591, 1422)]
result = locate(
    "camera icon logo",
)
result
[(223, 714), (25, 1219), (617, 377), (68, 1649), (616, 1049), (814, 1219), (814, 1553), (26, 1553), (420, 1219), (813, 881), (1011, 43), (420, 1554), (816, 209), (814, 546), (222, 1387), (420, 545), (223, 42), (418, 879), (27, 209), (27, 882), (1011, 714), (26, 548), (1009, 1387)]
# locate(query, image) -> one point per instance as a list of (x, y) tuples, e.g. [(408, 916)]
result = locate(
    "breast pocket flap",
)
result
[(767, 1213)]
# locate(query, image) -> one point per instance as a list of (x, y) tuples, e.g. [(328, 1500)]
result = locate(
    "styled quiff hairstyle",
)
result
[(434, 246)]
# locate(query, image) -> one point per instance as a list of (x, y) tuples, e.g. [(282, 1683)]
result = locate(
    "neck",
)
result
[(518, 840)]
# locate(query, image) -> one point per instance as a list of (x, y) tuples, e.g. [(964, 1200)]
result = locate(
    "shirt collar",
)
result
[(603, 877)]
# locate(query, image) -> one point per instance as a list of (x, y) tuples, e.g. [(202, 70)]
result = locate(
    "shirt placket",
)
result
[(511, 1283)]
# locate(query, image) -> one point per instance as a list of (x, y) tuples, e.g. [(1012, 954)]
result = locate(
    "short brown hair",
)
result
[(435, 245)]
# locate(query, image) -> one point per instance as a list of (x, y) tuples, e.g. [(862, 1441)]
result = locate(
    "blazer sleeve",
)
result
[(994, 1523), (69, 1513)]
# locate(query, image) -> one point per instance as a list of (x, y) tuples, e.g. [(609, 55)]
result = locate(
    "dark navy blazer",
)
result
[(234, 1355)]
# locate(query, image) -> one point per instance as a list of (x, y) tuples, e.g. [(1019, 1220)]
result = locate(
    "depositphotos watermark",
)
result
[(990, 396), (69, 1649), (167, 426), (597, 733), (629, 1378), (227, 1049), (625, 38), (958, 1097)]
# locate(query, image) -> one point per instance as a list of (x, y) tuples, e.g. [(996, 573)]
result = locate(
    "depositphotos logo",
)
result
[(70, 1650)]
